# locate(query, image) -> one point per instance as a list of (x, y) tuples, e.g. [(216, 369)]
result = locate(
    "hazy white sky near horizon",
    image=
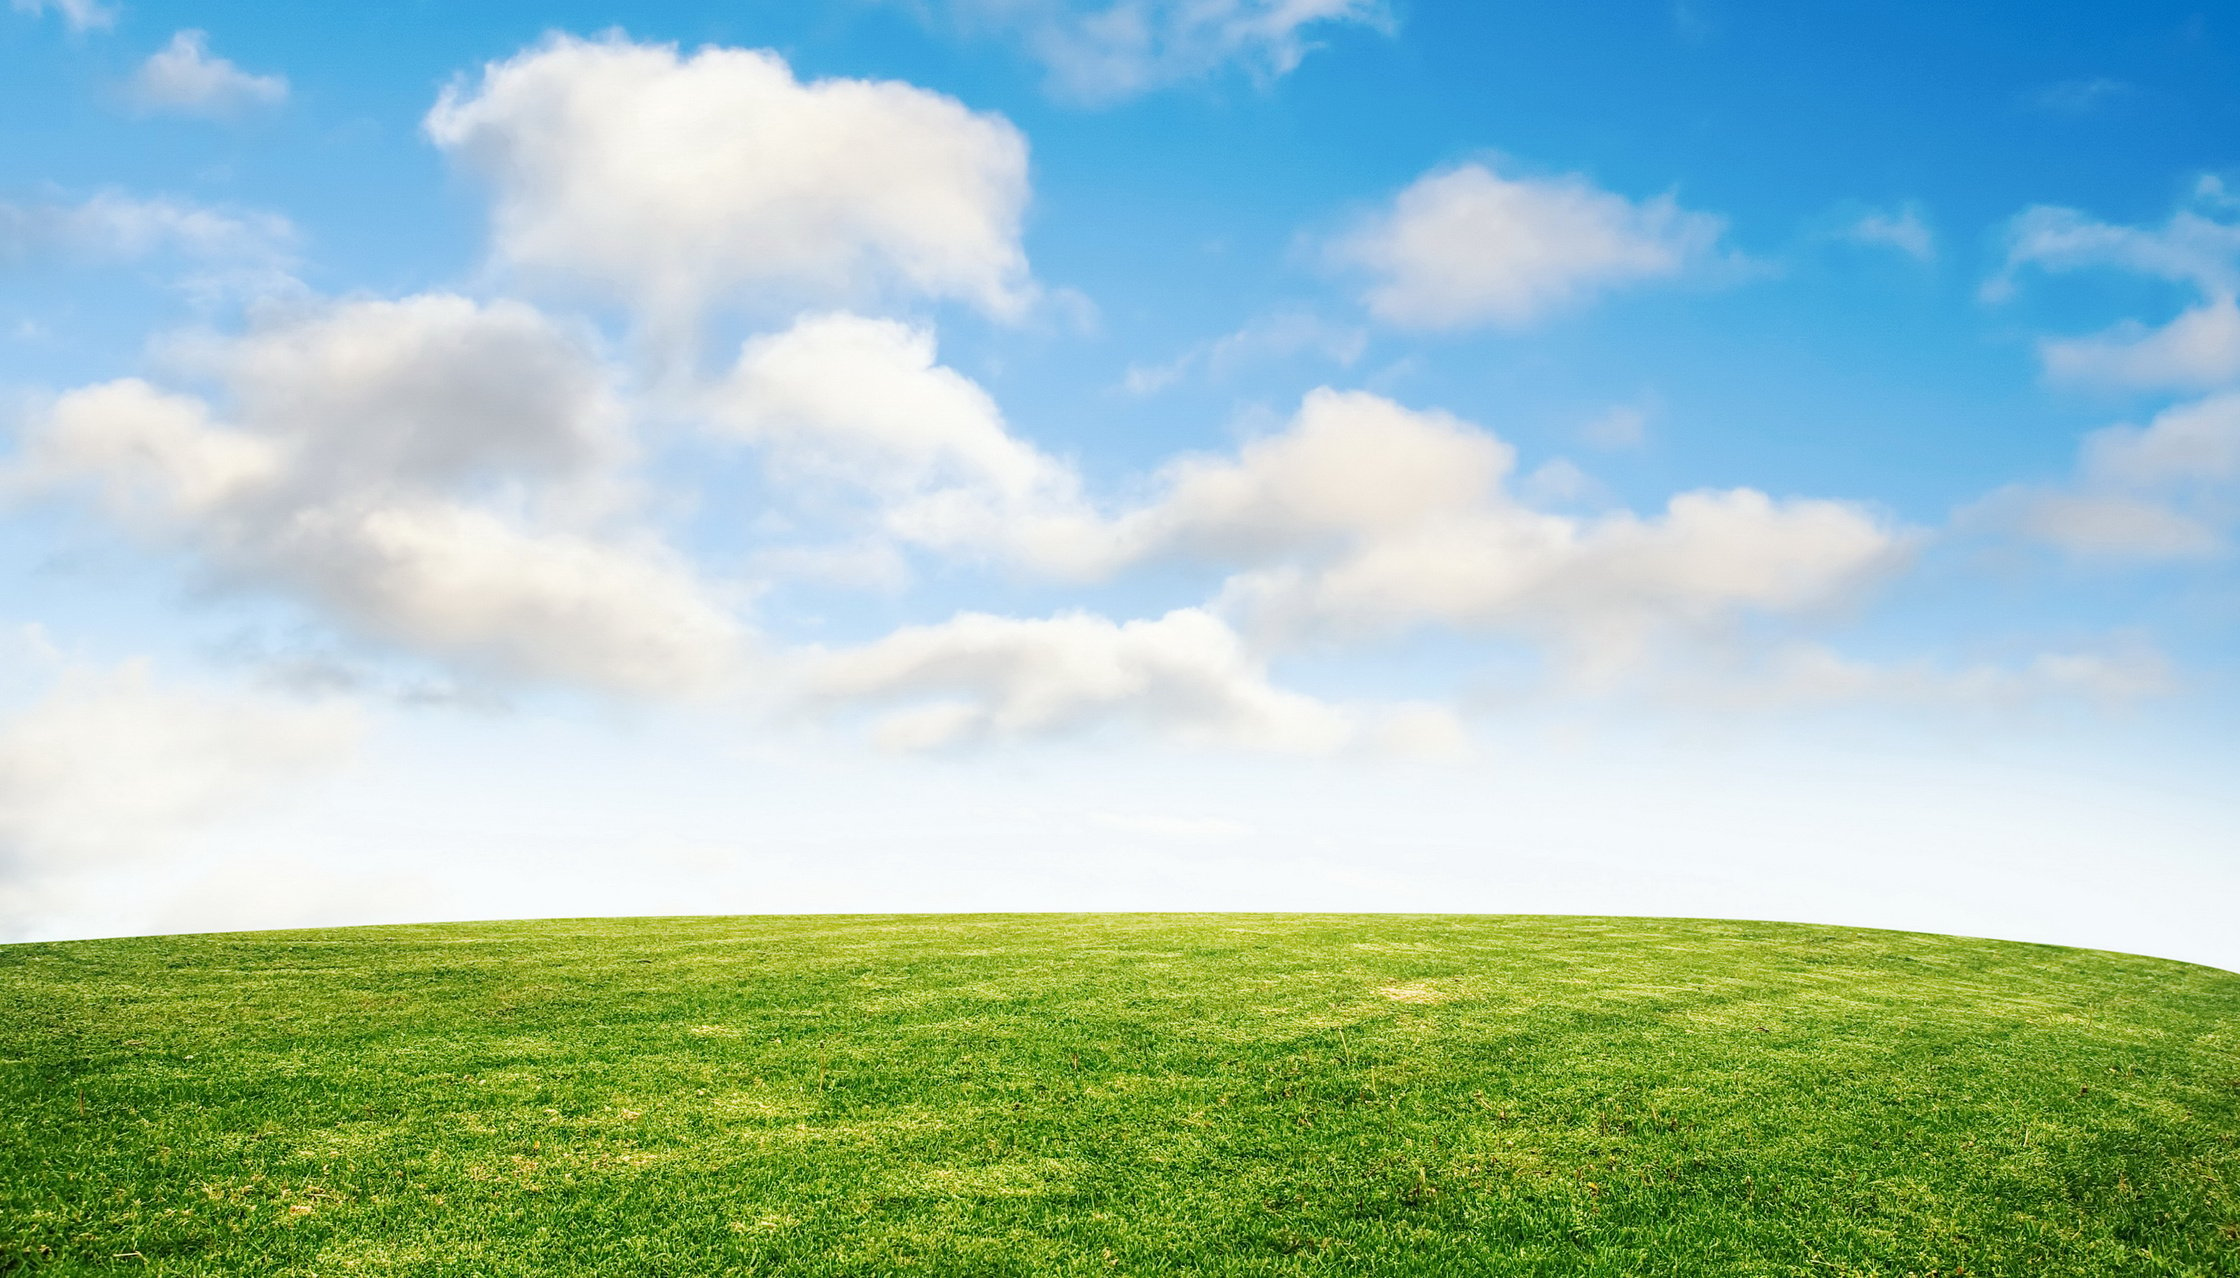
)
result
[(1133, 455)]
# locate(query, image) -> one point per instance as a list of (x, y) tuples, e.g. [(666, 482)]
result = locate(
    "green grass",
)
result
[(1117, 1094)]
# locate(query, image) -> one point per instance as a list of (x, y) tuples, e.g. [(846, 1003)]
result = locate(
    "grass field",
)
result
[(1121, 1094)]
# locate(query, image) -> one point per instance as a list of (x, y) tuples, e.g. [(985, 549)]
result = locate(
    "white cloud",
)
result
[(2197, 350), (78, 15), (842, 395), (111, 226), (2167, 490), (1361, 518), (184, 76), (2193, 247), (110, 765), (626, 614), (2199, 246), (427, 391), (859, 405), (432, 472), (158, 458), (1104, 50), (1904, 229), (977, 677), (1602, 589), (679, 182), (2196, 443), (1364, 518), (1467, 246), (1349, 465)]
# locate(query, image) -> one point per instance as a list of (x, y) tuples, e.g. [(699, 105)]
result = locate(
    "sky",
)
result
[(1665, 458)]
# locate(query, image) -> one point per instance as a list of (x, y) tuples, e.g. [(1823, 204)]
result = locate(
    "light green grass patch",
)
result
[(1130, 1095)]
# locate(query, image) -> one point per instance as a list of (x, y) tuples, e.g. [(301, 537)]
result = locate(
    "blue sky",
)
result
[(960, 454)]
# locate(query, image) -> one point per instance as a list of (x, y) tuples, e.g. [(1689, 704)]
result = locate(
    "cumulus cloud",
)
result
[(1185, 675), (864, 399), (1104, 50), (433, 472), (158, 458), (627, 614), (1350, 465), (110, 764), (2166, 490), (2199, 246), (78, 15), (1361, 518), (1365, 517), (862, 405), (185, 77), (426, 391), (678, 182), (1467, 246), (1602, 589)]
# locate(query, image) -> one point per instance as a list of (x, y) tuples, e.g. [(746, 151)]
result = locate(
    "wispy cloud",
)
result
[(1621, 426), (184, 77), (1904, 229), (1278, 335), (113, 226), (1100, 51), (2087, 96), (78, 15), (2199, 246)]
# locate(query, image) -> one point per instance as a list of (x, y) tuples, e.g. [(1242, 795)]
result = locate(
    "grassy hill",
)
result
[(1117, 1094)]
